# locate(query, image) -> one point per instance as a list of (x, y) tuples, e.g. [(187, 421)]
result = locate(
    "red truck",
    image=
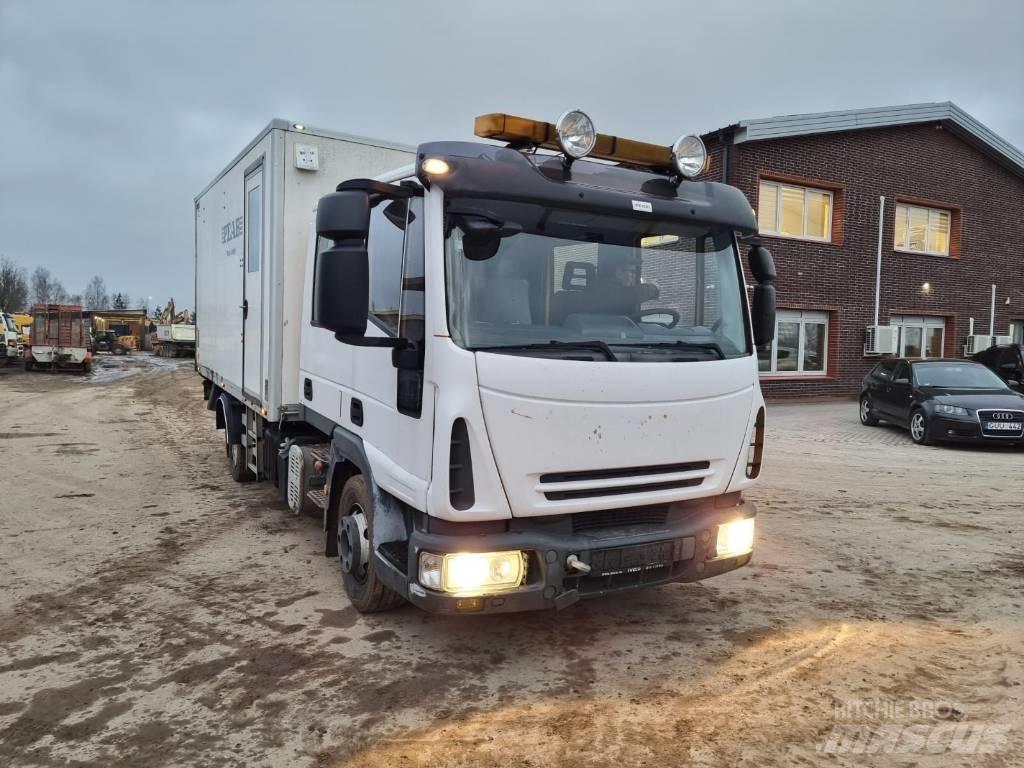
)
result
[(59, 339)]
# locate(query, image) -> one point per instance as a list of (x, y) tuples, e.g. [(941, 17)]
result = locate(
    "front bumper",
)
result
[(685, 544), (967, 430)]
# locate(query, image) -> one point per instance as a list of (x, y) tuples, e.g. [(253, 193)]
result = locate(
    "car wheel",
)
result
[(358, 568), (867, 413), (919, 428)]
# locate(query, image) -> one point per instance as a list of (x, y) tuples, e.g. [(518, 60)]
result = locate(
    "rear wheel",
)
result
[(235, 452), (919, 428), (867, 412), (355, 534), (86, 366)]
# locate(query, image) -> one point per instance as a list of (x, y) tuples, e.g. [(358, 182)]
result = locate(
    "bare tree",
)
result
[(59, 295), (42, 285), (13, 287), (95, 294), (120, 301)]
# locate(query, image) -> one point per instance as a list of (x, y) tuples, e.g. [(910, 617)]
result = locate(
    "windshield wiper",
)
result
[(594, 345), (679, 343)]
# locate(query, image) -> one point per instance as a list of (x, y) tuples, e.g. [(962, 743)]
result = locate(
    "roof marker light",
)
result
[(576, 134), (298, 126), (690, 156)]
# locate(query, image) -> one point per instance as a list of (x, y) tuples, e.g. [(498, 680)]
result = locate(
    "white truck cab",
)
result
[(526, 377)]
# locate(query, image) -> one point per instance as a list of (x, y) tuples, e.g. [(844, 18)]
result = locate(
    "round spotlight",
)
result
[(435, 166), (690, 156), (298, 126), (576, 134)]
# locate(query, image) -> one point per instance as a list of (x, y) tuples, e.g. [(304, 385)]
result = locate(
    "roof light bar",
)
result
[(521, 130)]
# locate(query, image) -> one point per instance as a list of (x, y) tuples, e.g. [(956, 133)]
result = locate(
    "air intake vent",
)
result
[(460, 468), (589, 484)]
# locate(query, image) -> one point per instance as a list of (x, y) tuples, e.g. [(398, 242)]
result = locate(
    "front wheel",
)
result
[(919, 428), (358, 568), (867, 413)]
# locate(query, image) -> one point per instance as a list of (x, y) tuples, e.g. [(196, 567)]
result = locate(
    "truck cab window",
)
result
[(411, 310), (384, 245)]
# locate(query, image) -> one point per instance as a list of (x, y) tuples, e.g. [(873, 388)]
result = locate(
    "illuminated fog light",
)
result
[(472, 572), (576, 134), (735, 538), (690, 156)]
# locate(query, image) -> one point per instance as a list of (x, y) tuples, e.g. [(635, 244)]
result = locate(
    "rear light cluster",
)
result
[(756, 449)]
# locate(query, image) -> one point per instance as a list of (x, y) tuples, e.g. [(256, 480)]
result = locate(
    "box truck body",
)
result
[(252, 230)]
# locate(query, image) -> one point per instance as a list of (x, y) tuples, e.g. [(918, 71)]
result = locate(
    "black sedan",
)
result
[(956, 400)]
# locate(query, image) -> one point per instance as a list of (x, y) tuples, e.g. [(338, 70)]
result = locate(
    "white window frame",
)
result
[(928, 229), (803, 317), (778, 211), (923, 323)]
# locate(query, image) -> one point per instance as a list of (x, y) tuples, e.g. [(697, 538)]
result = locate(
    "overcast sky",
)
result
[(115, 114)]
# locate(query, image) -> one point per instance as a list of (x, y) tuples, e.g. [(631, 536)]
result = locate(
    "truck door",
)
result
[(252, 287), (396, 409)]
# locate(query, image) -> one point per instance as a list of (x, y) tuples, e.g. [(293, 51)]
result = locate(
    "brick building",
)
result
[(952, 226)]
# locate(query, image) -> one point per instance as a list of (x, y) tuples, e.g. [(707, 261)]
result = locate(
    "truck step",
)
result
[(317, 497)]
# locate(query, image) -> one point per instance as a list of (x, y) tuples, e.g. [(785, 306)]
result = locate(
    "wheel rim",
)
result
[(865, 409), (353, 543), (917, 427)]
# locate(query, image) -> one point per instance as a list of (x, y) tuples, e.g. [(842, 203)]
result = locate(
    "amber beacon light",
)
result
[(687, 158)]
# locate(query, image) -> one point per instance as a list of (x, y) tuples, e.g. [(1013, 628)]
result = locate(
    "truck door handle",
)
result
[(245, 308)]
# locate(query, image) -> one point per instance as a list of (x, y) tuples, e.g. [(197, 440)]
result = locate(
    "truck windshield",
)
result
[(524, 279)]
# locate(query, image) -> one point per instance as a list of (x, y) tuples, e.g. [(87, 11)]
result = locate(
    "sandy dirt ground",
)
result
[(153, 612)]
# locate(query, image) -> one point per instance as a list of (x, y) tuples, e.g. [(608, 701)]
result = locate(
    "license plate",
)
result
[(1002, 426), (608, 562)]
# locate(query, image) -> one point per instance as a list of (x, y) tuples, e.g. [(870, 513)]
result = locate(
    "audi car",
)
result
[(943, 400)]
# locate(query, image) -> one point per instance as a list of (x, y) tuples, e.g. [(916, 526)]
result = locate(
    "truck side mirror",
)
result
[(762, 310), (341, 279), (341, 291)]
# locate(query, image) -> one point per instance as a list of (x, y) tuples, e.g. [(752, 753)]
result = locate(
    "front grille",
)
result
[(1001, 416), (608, 474), (616, 518), (595, 483)]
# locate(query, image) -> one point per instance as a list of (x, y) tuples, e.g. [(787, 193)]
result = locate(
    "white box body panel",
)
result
[(289, 194)]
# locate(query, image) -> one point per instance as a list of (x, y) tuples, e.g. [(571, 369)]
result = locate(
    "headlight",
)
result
[(952, 410), (735, 538), (576, 134), (690, 156), (472, 572)]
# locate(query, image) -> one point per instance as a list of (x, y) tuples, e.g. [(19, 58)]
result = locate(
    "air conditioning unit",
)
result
[(1001, 340), (979, 343), (880, 340)]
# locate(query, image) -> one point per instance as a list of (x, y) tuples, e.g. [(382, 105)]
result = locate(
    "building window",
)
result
[(922, 230), (792, 211), (800, 346), (919, 337)]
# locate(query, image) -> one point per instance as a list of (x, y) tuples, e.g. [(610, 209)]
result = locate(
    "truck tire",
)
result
[(240, 473), (355, 532), (86, 367)]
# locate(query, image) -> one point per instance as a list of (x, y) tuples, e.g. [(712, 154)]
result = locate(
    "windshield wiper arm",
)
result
[(594, 344), (709, 345)]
